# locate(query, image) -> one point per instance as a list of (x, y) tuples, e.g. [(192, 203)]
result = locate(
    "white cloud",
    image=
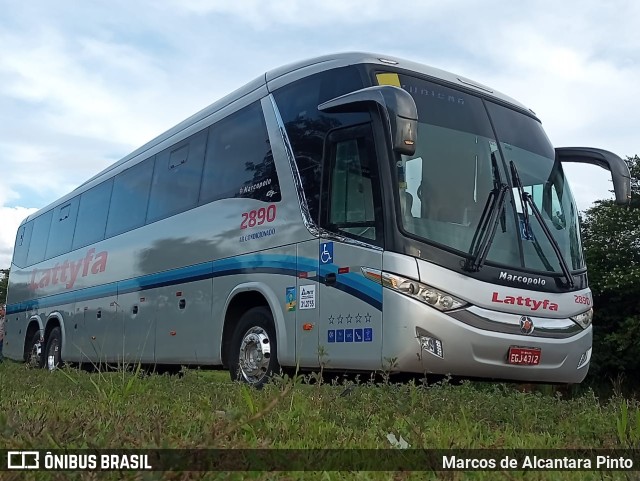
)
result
[(11, 218)]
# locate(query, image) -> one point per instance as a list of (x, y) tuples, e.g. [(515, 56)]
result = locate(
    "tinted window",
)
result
[(176, 177), (21, 247), (62, 227), (129, 199), (307, 127), (448, 108), (92, 215), (354, 194), (39, 237), (520, 130), (239, 162)]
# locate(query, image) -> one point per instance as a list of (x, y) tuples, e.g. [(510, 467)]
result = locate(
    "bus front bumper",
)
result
[(475, 342)]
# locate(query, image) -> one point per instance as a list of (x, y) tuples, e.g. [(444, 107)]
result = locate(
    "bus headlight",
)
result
[(422, 292), (584, 319)]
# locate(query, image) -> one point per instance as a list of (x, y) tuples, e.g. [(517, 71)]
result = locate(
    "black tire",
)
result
[(52, 358), (255, 336), (33, 352)]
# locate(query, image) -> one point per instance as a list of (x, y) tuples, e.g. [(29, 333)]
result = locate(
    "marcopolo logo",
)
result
[(530, 281), (526, 325)]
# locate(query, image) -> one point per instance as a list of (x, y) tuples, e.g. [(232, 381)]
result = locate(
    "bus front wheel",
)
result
[(253, 356)]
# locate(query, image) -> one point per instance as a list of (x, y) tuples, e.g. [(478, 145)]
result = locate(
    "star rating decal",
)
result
[(349, 318)]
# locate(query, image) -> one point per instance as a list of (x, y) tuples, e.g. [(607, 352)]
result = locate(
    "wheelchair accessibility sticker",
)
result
[(326, 253)]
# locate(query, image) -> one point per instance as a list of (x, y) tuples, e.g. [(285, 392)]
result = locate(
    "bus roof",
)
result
[(276, 78)]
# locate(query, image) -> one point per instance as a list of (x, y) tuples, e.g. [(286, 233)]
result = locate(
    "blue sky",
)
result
[(84, 83)]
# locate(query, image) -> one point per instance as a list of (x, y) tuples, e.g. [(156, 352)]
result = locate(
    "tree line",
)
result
[(611, 242)]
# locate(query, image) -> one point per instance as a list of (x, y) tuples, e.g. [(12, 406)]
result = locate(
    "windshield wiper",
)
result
[(526, 200), (486, 230)]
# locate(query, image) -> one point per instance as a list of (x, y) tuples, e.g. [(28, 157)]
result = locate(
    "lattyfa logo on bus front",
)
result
[(533, 304), (67, 273)]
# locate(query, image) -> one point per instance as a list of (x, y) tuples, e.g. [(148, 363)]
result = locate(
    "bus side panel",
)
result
[(350, 307), (183, 323), (16, 319), (139, 319), (62, 316), (306, 295), (101, 336), (271, 273), (72, 348)]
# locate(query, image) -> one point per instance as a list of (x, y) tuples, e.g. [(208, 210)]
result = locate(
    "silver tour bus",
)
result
[(353, 211)]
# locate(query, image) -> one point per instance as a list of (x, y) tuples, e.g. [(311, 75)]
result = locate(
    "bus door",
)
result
[(350, 324)]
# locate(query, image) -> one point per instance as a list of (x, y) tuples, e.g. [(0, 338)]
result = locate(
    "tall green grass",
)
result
[(71, 408)]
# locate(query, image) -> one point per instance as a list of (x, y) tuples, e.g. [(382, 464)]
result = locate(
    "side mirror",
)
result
[(398, 105), (607, 160)]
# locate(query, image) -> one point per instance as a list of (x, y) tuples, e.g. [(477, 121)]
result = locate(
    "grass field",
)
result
[(70, 408)]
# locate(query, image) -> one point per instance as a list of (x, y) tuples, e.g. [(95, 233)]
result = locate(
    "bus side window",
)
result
[(92, 215), (176, 177), (62, 226), (353, 205), (239, 162), (22, 244), (39, 237), (307, 127), (130, 197)]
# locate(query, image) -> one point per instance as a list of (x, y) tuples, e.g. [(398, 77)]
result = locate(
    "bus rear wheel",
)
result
[(33, 351), (253, 355), (53, 358)]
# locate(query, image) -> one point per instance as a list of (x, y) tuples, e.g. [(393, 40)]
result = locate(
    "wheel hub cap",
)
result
[(255, 354)]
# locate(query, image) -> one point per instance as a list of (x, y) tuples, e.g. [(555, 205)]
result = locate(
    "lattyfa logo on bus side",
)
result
[(67, 273)]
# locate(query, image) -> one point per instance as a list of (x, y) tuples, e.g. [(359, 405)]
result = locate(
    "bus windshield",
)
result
[(464, 148)]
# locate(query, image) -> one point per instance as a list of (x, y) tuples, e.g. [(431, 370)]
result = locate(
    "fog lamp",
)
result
[(584, 359)]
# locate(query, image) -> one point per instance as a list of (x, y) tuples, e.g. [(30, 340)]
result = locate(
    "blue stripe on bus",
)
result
[(352, 284)]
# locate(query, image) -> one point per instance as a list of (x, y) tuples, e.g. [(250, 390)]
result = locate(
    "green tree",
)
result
[(4, 281), (611, 236)]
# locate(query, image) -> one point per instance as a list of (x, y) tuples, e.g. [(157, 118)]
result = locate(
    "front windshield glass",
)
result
[(524, 142), (444, 188)]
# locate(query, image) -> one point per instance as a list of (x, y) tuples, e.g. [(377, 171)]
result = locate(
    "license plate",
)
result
[(529, 356)]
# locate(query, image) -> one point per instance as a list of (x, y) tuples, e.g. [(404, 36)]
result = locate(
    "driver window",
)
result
[(354, 201)]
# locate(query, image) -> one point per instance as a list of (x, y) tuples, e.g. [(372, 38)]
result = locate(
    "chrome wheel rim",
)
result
[(255, 355), (53, 355)]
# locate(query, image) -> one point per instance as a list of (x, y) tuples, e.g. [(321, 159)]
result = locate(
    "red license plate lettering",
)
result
[(524, 356)]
